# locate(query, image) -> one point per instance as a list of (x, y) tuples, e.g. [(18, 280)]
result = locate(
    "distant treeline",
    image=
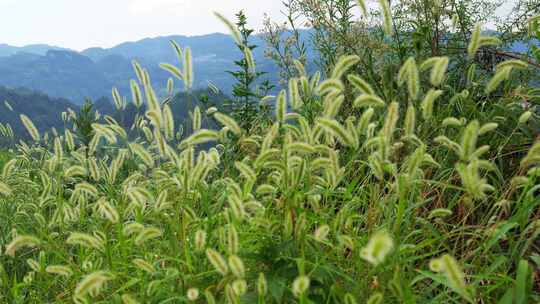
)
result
[(46, 111)]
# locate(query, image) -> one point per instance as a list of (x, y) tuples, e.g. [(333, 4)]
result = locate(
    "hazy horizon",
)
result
[(71, 24), (115, 44)]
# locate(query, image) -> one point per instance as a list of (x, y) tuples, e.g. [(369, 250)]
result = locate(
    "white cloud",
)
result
[(151, 6)]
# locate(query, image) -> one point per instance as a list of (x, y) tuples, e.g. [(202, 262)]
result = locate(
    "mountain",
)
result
[(63, 73), (58, 73), (523, 47), (93, 72), (159, 48), (36, 49)]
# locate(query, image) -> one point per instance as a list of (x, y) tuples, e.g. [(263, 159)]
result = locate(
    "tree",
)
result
[(84, 120), (247, 92)]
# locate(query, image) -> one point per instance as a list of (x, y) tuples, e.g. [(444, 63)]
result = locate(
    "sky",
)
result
[(80, 24)]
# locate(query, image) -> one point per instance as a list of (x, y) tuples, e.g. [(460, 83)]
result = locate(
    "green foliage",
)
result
[(83, 122)]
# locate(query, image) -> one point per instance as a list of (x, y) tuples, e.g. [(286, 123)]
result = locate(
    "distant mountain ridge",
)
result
[(64, 73), (93, 72), (159, 48), (36, 49), (58, 73)]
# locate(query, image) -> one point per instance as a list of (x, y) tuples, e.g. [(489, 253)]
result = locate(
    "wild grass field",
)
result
[(418, 186)]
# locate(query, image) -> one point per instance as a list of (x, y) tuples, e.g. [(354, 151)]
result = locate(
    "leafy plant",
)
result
[(247, 92), (83, 121)]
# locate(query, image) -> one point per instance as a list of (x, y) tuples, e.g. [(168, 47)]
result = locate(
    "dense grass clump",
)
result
[(347, 197)]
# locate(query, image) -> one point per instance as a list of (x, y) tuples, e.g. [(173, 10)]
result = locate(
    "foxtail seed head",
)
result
[(237, 266), (300, 285), (217, 261), (30, 127), (91, 284), (21, 241), (193, 294), (378, 247)]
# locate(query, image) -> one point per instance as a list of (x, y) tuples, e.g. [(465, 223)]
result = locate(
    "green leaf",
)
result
[(523, 282)]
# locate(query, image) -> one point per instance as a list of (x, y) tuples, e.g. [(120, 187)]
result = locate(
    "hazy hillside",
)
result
[(93, 72), (58, 74), (158, 48), (37, 49), (45, 111)]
